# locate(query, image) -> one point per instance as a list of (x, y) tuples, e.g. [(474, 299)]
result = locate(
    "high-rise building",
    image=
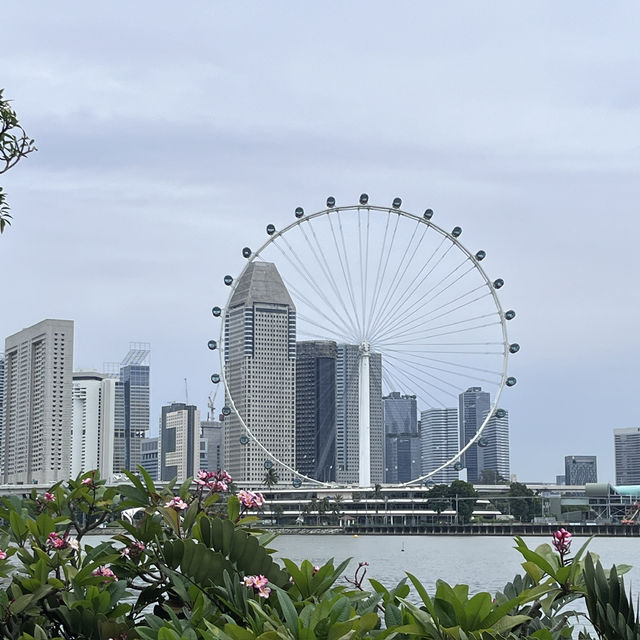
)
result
[(93, 420), (211, 445), (260, 366), (439, 440), (149, 448), (37, 407), (580, 469), (493, 449), (401, 438), (1, 409), (347, 414), (473, 408), (179, 445), (132, 413), (627, 454), (316, 409)]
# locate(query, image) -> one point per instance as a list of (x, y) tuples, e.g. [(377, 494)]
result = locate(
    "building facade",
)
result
[(149, 448), (211, 445), (439, 432), (132, 414), (260, 368), (401, 438), (316, 409), (347, 428), (474, 405), (493, 450), (93, 423), (580, 469), (37, 403), (1, 409), (179, 441), (627, 455)]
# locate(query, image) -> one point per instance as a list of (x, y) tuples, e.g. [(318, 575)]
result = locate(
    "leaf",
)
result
[(233, 508), (392, 616), (288, 610)]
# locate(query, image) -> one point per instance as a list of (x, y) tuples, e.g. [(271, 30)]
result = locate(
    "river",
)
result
[(485, 563)]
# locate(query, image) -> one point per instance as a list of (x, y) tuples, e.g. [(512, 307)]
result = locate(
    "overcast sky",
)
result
[(170, 135)]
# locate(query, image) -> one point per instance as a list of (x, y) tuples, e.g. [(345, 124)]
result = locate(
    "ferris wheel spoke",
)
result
[(393, 384), (380, 281), (447, 333), (419, 322), (329, 334), (378, 268), (410, 314), (364, 271), (412, 305), (344, 270), (426, 329), (423, 383), (463, 374), (322, 260), (401, 269)]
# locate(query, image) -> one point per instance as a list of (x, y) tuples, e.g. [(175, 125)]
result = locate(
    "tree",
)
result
[(14, 145), (438, 498), (459, 489), (522, 502), (271, 478)]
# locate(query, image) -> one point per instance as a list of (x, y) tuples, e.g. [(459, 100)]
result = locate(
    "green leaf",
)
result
[(233, 508), (288, 610)]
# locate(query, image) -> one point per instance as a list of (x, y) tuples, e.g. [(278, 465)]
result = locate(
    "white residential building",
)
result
[(439, 443), (37, 407)]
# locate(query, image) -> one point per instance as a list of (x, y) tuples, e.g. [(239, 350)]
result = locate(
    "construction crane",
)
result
[(186, 391), (211, 411)]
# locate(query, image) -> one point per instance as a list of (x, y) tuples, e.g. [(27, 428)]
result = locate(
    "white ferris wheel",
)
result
[(395, 284)]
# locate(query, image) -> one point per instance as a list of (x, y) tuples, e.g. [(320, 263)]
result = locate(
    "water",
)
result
[(485, 563)]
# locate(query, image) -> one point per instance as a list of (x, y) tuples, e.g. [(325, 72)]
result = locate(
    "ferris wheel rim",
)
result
[(307, 218)]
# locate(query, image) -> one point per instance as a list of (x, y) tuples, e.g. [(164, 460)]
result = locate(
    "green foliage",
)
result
[(191, 567), (14, 145)]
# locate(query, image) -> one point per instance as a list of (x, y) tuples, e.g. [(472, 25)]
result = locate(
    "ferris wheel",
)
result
[(418, 306)]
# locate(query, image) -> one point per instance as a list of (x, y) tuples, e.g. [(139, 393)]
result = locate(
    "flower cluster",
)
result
[(562, 541), (58, 542), (259, 584), (49, 497), (218, 481), (3, 555), (106, 572), (176, 503), (133, 551), (251, 500), (89, 481)]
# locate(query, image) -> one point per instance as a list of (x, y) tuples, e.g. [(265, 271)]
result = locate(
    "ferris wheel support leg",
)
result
[(364, 407)]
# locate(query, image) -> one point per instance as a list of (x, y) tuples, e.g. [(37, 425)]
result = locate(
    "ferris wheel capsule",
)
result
[(457, 466), (397, 203), (215, 378), (483, 442), (271, 229), (500, 413), (216, 311), (268, 464), (212, 344), (246, 252), (228, 280), (331, 202), (510, 381), (498, 283), (481, 255), (364, 198), (456, 232), (510, 315), (226, 411), (297, 483), (514, 347), (299, 212), (244, 440)]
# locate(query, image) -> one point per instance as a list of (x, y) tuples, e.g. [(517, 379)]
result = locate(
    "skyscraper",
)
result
[(493, 449), (474, 406), (260, 366), (132, 413), (1, 409), (179, 441), (211, 445), (401, 438), (93, 419), (627, 454), (439, 443), (316, 409), (347, 428), (150, 463), (580, 469), (37, 408)]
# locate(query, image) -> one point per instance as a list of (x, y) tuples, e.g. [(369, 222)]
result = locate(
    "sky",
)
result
[(168, 137)]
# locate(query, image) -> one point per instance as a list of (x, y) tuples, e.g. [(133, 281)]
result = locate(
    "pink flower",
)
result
[(87, 481), (251, 500), (55, 541), (315, 570), (3, 555), (562, 541), (217, 481), (133, 551), (176, 503), (258, 583), (106, 572), (49, 497), (74, 544)]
